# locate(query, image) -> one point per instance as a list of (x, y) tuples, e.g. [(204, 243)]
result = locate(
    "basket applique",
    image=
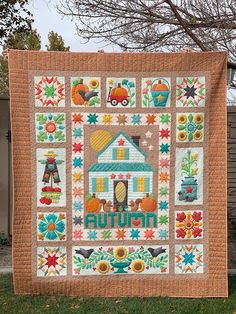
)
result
[(156, 92)]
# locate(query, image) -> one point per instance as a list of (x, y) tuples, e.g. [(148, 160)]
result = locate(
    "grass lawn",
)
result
[(9, 303)]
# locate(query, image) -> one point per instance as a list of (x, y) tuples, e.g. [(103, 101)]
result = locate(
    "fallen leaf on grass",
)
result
[(74, 306)]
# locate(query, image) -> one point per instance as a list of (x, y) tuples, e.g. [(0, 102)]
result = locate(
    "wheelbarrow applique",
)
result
[(118, 95)]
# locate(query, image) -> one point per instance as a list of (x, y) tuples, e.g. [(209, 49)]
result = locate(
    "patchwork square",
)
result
[(190, 91), (190, 127), (51, 226), (49, 91), (120, 92), (189, 224), (189, 259), (156, 92), (51, 261), (51, 177), (189, 176), (50, 127), (85, 91)]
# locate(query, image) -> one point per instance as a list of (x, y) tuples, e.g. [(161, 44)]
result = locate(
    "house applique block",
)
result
[(121, 173)]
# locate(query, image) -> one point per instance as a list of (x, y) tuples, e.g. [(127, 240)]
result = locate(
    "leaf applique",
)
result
[(41, 119), (42, 136), (190, 118), (181, 127), (199, 127), (59, 119), (59, 135)]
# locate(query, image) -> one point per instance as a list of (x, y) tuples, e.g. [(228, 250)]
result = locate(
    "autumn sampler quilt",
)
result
[(119, 164)]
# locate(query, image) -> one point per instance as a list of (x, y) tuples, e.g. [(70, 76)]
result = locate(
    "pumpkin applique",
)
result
[(148, 203), (77, 87), (92, 203), (81, 94), (160, 86)]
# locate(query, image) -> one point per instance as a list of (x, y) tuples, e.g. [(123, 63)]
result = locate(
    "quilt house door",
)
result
[(121, 193)]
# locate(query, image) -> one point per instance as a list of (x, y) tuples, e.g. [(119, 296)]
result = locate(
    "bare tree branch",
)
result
[(185, 27), (151, 25)]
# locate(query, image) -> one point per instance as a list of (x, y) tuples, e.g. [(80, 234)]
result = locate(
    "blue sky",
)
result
[(48, 19)]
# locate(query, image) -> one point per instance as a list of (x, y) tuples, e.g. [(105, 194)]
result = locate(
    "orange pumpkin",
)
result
[(160, 86), (148, 204), (119, 91), (75, 95), (93, 204)]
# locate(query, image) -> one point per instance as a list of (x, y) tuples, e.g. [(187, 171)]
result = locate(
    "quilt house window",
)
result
[(121, 153), (141, 184), (99, 185)]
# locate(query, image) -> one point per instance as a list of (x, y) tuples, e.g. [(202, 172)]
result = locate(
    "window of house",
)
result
[(120, 153), (141, 184), (99, 185)]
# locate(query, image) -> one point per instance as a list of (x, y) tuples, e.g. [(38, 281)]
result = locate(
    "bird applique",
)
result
[(156, 252), (87, 95), (85, 253)]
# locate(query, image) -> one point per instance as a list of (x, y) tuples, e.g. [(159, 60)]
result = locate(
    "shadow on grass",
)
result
[(9, 303)]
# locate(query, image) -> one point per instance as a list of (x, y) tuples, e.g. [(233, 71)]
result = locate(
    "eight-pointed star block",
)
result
[(190, 91), (49, 91)]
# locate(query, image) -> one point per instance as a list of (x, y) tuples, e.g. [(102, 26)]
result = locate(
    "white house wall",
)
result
[(134, 154)]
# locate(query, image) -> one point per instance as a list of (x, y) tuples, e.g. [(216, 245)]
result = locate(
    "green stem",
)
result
[(189, 163), (149, 96), (129, 92)]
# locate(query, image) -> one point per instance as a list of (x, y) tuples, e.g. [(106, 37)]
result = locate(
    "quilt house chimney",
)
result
[(136, 140)]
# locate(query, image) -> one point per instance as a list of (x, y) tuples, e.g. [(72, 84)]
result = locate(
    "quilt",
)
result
[(119, 165)]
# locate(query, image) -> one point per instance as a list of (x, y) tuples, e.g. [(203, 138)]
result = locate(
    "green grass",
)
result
[(9, 303)]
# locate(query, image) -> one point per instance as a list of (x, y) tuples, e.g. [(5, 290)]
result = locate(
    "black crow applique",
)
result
[(87, 95), (157, 251), (84, 253)]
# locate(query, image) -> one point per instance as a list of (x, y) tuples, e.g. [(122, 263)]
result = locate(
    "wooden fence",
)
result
[(232, 187)]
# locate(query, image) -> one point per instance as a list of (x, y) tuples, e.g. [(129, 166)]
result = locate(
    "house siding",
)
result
[(134, 154)]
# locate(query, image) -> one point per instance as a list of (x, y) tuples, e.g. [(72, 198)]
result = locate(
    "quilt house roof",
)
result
[(121, 166)]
